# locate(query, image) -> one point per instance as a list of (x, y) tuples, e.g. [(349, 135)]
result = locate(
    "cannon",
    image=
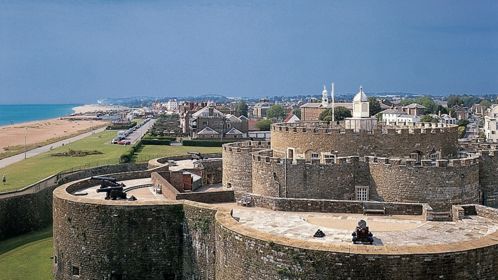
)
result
[(111, 187), (362, 235), (113, 193), (196, 155)]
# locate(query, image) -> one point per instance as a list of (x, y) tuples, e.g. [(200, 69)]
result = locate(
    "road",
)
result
[(136, 135), (34, 152)]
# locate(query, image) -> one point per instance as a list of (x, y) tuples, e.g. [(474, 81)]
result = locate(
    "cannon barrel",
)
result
[(108, 189), (104, 178)]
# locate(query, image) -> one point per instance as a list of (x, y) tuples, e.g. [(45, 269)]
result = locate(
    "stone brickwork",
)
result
[(440, 183), (334, 206), (245, 254), (31, 208), (189, 240), (280, 177), (451, 182), (102, 240), (384, 141), (237, 164), (488, 177)]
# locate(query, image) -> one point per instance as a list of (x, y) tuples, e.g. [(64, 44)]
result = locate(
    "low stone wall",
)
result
[(333, 206), (31, 208), (208, 197)]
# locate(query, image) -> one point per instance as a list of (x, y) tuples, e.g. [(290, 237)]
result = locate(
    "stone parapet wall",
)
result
[(244, 253), (440, 183), (440, 186), (31, 208), (385, 141), (333, 206), (237, 165)]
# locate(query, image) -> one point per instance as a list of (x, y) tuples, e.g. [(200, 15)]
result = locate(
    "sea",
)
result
[(13, 114)]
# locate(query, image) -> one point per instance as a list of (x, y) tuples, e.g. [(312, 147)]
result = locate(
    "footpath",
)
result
[(34, 152)]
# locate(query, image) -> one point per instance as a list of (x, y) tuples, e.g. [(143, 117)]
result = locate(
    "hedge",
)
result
[(206, 143), (156, 142), (128, 155), (121, 126)]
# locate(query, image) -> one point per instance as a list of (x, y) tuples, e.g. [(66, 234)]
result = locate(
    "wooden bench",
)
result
[(374, 208)]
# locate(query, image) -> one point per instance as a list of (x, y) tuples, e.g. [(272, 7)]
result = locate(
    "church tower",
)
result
[(325, 97), (361, 107)]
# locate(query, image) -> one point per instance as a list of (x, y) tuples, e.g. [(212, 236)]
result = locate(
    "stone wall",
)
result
[(488, 177), (382, 141), (333, 206), (440, 183), (198, 242), (106, 240), (249, 255), (450, 182), (31, 208), (272, 176), (191, 240), (237, 165)]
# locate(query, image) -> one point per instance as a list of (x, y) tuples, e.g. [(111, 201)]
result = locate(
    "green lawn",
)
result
[(148, 152), (27, 256), (36, 168)]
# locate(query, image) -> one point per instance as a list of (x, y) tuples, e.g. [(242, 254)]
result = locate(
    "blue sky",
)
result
[(78, 51)]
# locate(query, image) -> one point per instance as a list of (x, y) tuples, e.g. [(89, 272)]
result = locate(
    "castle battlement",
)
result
[(268, 157), (246, 146), (395, 129)]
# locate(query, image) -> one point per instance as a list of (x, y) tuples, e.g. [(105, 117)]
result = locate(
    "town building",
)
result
[(491, 124), (414, 109)]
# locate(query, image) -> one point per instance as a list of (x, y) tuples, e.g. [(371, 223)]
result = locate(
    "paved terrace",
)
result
[(387, 230)]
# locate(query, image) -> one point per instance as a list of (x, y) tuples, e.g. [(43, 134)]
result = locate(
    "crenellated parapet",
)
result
[(384, 140), (441, 183)]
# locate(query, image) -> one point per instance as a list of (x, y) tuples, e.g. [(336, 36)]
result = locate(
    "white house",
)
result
[(392, 116), (490, 124)]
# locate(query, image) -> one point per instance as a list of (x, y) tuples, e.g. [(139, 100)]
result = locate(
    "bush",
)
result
[(152, 137), (206, 143)]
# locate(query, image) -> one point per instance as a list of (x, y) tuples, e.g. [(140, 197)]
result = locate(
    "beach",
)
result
[(12, 137), (96, 108)]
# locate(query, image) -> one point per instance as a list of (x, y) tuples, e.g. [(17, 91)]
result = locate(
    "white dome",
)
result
[(360, 96)]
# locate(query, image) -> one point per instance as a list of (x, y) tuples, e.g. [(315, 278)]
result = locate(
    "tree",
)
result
[(241, 108), (429, 118), (463, 123), (430, 106), (264, 124), (276, 111), (485, 103), (297, 112), (374, 105), (340, 113), (454, 100)]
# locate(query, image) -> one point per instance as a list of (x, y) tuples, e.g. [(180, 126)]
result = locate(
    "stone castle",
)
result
[(426, 197)]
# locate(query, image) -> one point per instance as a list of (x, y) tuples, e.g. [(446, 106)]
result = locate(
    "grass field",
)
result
[(39, 167), (27, 256), (148, 152)]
